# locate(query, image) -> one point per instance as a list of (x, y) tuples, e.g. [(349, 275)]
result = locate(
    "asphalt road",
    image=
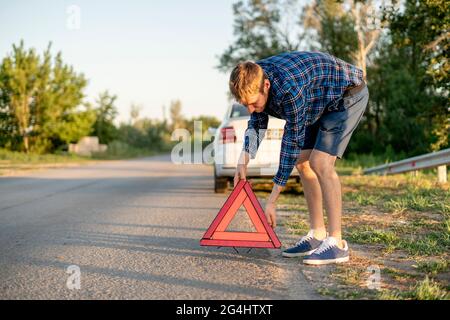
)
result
[(133, 229)]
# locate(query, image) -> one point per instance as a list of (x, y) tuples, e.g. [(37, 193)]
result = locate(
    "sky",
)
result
[(146, 52)]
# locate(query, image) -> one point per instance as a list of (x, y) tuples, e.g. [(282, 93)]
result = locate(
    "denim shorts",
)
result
[(332, 131)]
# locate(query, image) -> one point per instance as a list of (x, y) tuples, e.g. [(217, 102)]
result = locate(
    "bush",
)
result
[(120, 150)]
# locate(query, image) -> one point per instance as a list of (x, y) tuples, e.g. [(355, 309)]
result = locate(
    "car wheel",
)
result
[(220, 183)]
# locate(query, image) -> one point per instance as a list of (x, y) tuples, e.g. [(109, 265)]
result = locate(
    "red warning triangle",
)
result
[(264, 237)]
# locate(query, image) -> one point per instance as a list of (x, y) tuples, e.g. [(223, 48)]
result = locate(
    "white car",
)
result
[(228, 144)]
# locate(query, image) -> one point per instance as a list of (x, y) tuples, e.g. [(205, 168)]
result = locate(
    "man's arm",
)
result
[(270, 205), (294, 134), (254, 134)]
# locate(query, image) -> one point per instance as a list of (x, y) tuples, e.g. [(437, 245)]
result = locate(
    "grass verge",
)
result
[(398, 225)]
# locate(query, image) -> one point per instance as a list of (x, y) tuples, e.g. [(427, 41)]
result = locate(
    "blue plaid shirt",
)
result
[(303, 85)]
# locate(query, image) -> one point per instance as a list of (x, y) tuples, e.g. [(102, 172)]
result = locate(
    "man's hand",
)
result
[(241, 169), (271, 214), (241, 172)]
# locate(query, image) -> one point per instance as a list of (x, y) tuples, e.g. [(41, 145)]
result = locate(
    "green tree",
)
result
[(135, 110), (57, 104), (146, 133), (207, 121), (410, 61), (9, 134), (176, 117), (106, 113), (347, 29), (75, 125), (436, 49), (262, 28), (157, 135), (19, 83), (402, 49), (331, 28), (37, 96)]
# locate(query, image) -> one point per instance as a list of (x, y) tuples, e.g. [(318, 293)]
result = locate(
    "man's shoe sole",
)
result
[(329, 261), (295, 255)]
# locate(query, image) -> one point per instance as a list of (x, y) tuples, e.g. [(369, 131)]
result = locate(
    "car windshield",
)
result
[(239, 110)]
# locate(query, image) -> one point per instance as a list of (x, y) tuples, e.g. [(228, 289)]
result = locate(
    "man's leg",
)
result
[(313, 194), (323, 165)]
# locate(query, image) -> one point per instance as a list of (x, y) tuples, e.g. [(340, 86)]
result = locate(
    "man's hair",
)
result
[(246, 79)]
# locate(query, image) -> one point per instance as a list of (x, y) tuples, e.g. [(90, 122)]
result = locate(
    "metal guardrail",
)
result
[(438, 159)]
